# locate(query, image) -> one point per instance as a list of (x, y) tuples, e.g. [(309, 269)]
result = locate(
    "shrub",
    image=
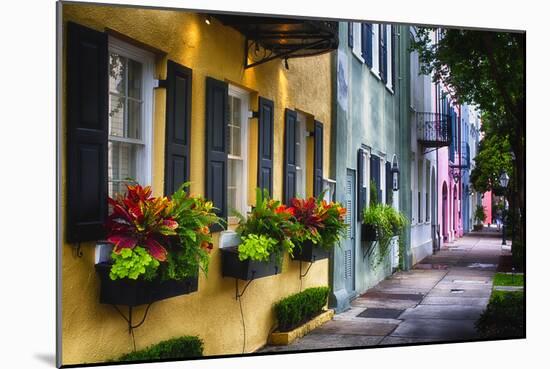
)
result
[(479, 214), (175, 348), (300, 307), (504, 316)]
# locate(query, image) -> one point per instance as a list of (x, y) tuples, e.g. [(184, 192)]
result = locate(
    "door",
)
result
[(349, 244), (444, 211)]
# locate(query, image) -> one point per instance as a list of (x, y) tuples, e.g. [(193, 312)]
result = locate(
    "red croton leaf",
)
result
[(170, 223), (155, 249), (122, 242)]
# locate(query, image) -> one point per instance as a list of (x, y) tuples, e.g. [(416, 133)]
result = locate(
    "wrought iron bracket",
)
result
[(237, 294), (307, 270), (270, 55), (128, 319), (77, 250)]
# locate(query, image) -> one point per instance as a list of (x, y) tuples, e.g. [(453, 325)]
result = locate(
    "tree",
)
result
[(486, 69)]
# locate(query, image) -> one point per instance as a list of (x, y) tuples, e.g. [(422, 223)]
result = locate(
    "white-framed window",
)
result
[(357, 41), (237, 158), (389, 41), (375, 49), (301, 154), (130, 115)]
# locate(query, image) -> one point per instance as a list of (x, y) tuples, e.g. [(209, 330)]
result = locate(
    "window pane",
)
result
[(122, 166), (134, 119), (117, 73), (116, 116), (236, 141), (134, 79), (234, 190), (236, 114)]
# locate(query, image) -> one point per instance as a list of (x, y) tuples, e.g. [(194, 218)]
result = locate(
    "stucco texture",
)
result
[(92, 332)]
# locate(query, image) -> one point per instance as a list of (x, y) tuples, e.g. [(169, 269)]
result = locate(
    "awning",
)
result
[(269, 38)]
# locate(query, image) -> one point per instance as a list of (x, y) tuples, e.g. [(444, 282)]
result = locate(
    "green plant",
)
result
[(256, 247), (387, 222), (191, 250), (479, 214), (139, 220), (504, 316), (271, 219), (505, 279), (175, 348), (131, 263), (320, 222), (300, 307)]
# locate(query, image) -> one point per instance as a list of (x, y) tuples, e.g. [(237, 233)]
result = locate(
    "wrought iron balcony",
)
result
[(433, 129)]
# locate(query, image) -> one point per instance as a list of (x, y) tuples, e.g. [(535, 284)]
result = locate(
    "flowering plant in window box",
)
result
[(265, 235), (159, 245), (322, 226)]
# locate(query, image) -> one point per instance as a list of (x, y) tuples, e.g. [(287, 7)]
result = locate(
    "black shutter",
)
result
[(382, 52), (375, 174), (389, 184), (393, 56), (362, 191), (178, 121), (290, 157), (216, 145), (318, 159), (366, 43), (350, 34), (265, 145), (87, 130)]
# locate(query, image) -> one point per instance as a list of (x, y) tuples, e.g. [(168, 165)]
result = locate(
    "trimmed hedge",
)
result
[(175, 348), (503, 317), (297, 309)]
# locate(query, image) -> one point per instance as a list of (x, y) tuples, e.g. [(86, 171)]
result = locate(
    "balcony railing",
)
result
[(433, 129)]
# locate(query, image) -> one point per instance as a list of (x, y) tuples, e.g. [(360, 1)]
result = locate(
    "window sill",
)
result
[(358, 57), (229, 239)]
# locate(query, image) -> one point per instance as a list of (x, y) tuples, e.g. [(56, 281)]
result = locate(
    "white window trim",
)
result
[(302, 155), (375, 50), (245, 107), (357, 41), (389, 45), (143, 165)]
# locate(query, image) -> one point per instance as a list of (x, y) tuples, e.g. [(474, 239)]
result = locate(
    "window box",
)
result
[(247, 269), (309, 252), (139, 292), (369, 233)]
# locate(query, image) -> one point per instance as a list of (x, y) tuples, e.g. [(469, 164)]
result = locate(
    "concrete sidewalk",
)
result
[(439, 300)]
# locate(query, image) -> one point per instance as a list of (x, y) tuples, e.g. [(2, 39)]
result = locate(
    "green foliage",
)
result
[(388, 222), (271, 219), (175, 348), (504, 316), (132, 263), (300, 307), (492, 158), (479, 214), (373, 191), (190, 251), (256, 247), (504, 279)]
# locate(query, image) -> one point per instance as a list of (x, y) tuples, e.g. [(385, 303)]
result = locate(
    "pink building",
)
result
[(487, 205)]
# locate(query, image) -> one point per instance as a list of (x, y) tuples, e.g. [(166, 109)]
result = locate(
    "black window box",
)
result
[(139, 292), (310, 252), (369, 233), (247, 269)]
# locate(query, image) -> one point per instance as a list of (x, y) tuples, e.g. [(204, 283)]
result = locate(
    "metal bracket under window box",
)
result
[(160, 83)]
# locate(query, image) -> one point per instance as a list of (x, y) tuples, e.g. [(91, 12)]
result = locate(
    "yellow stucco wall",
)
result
[(92, 332)]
